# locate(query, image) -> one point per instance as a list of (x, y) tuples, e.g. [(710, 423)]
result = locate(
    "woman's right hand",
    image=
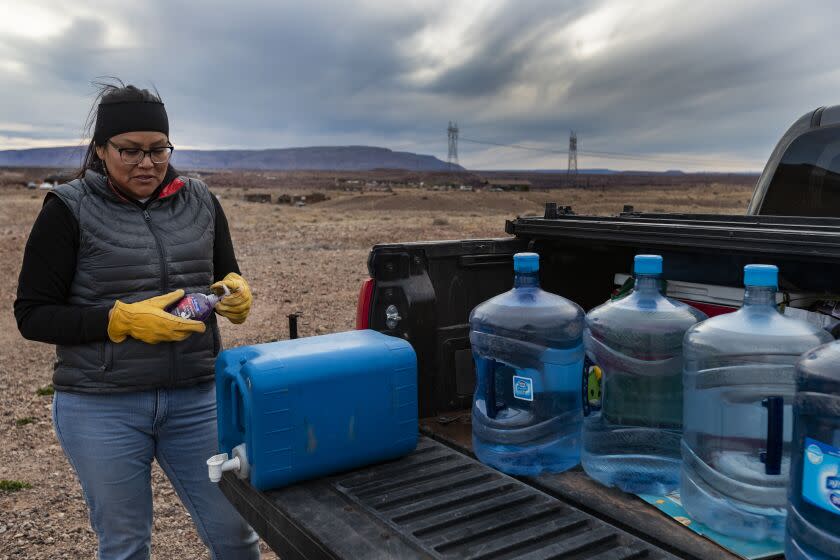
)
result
[(149, 321)]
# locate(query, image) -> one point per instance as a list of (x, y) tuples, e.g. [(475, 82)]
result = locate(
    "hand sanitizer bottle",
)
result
[(197, 306)]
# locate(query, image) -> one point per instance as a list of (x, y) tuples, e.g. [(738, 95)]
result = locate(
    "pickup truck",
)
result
[(439, 502)]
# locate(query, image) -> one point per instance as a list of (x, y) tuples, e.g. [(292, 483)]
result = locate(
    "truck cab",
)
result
[(802, 176), (439, 502)]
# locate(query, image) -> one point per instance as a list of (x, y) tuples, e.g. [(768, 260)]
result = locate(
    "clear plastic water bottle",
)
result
[(813, 524), (633, 441), (737, 420), (528, 350)]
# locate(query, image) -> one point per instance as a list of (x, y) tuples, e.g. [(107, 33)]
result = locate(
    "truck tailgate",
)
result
[(435, 503), (626, 511)]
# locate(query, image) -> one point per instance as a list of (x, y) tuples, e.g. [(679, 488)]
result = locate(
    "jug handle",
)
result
[(772, 457), (239, 421), (486, 370), (234, 406)]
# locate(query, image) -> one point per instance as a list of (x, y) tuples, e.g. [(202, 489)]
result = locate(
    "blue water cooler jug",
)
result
[(528, 350), (737, 415), (813, 524), (303, 408)]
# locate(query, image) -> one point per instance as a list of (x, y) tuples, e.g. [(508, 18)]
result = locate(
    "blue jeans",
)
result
[(111, 439)]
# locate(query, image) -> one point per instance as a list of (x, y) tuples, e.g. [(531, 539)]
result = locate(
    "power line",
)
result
[(518, 146), (606, 155)]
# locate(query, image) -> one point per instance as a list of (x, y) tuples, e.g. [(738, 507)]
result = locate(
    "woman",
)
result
[(108, 253)]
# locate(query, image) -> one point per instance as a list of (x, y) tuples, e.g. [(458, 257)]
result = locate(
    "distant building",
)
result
[(60, 177), (508, 185)]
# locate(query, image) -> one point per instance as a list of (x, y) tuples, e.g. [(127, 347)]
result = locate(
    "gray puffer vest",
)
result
[(132, 254)]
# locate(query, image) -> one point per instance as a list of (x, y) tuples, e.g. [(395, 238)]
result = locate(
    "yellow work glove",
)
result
[(149, 321), (237, 305)]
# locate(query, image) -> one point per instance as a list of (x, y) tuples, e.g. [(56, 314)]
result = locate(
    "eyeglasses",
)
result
[(133, 156)]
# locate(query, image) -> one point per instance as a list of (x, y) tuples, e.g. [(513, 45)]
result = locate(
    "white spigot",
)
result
[(217, 464)]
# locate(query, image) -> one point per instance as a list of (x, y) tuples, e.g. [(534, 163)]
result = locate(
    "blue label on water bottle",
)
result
[(523, 388), (821, 475)]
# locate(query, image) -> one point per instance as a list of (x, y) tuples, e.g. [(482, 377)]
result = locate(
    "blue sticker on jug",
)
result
[(523, 388), (821, 475)]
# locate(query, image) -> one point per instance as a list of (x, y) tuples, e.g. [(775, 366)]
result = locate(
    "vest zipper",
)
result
[(107, 355), (164, 286)]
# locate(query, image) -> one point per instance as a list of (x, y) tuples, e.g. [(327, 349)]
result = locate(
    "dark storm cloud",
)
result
[(723, 86), (711, 81), (233, 72)]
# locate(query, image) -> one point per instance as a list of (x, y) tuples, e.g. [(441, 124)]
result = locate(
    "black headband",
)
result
[(129, 116)]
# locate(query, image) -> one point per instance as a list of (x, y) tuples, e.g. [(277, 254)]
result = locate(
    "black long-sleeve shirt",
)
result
[(49, 264)]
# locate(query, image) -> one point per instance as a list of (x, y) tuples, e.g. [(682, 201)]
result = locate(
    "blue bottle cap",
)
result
[(761, 275), (526, 262), (647, 264)]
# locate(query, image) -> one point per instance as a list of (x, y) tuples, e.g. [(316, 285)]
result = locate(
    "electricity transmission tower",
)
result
[(452, 133), (573, 168)]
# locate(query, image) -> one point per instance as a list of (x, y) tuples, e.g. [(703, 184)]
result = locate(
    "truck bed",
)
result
[(440, 503), (619, 509)]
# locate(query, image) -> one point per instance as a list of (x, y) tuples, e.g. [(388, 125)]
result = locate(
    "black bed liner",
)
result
[(435, 503)]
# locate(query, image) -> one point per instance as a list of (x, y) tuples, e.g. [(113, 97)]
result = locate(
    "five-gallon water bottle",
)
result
[(633, 441), (813, 524), (527, 345), (737, 421)]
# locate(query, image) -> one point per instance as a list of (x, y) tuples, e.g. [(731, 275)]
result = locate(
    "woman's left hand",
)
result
[(237, 305)]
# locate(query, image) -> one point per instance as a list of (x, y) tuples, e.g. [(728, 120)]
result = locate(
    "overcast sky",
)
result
[(695, 85)]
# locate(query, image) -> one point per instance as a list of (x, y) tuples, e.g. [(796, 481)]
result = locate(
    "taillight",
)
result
[(363, 305), (710, 309)]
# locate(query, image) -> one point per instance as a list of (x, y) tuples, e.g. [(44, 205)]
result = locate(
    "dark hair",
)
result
[(111, 91)]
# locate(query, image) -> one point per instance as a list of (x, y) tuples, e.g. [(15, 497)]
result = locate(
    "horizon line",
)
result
[(82, 147)]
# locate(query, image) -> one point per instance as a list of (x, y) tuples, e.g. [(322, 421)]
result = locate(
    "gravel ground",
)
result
[(311, 260)]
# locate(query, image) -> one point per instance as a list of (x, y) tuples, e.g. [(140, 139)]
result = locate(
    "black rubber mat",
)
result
[(452, 506)]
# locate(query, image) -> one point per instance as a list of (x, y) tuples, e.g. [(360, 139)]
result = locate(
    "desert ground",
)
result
[(310, 259)]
